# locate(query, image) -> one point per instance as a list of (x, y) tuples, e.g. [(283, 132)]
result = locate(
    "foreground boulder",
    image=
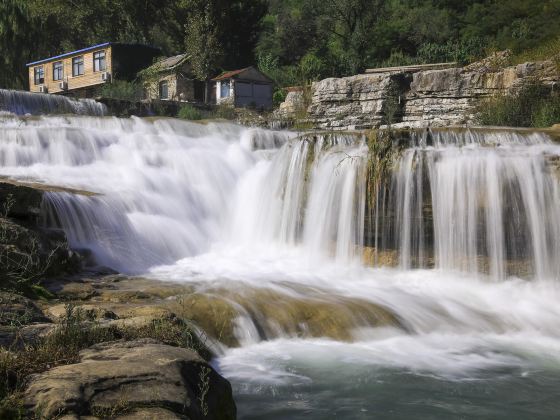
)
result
[(131, 379)]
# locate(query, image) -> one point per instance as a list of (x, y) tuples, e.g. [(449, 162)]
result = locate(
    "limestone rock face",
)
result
[(350, 102), (418, 98), (132, 379)]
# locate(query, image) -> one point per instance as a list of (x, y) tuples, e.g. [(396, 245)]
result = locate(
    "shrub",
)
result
[(396, 59), (534, 105), (121, 89), (461, 52), (189, 112), (279, 96), (224, 111), (549, 50)]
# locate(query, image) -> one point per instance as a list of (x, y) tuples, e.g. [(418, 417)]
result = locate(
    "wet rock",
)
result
[(214, 314), (274, 314), (28, 253), (24, 202), (119, 379)]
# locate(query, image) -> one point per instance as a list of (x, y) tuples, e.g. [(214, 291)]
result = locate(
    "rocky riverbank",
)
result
[(69, 351)]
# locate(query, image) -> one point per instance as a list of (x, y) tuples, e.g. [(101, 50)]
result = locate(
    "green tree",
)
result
[(202, 42), (16, 38)]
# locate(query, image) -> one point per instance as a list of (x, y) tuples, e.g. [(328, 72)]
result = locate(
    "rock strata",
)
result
[(414, 97)]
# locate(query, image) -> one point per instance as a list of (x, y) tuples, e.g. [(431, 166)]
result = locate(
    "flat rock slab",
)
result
[(122, 378)]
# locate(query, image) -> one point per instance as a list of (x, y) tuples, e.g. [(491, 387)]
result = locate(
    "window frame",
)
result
[(39, 75), (80, 65), (225, 89), (58, 71), (100, 60), (160, 89)]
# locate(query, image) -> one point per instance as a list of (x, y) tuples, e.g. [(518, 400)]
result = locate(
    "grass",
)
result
[(189, 112), (534, 105), (549, 50), (63, 345)]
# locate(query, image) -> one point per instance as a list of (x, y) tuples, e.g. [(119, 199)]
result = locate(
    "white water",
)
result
[(223, 206), (26, 103)]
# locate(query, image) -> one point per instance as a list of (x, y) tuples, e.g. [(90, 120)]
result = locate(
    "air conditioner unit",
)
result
[(106, 76), (43, 89), (63, 85)]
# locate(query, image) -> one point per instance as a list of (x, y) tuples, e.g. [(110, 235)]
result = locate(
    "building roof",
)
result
[(84, 50), (249, 73), (170, 63), (230, 74), (93, 47)]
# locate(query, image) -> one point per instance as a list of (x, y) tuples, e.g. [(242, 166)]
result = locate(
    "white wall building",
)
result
[(247, 87)]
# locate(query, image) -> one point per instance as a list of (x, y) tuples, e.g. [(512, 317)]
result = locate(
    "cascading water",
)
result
[(273, 227), (23, 103), (485, 200)]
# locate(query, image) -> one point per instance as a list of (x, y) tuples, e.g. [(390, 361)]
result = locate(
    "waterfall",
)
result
[(312, 193), (482, 202), (269, 230), (23, 103), (475, 201)]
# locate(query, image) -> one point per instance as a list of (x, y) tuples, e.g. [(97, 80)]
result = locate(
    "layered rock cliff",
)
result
[(410, 97)]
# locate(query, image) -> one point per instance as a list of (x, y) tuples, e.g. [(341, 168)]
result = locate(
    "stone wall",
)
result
[(414, 98)]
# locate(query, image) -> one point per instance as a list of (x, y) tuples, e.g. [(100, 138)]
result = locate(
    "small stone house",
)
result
[(171, 79), (246, 87)]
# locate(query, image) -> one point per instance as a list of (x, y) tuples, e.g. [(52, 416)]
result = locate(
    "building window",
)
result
[(99, 63), (163, 90), (224, 89), (78, 66), (39, 75), (58, 70)]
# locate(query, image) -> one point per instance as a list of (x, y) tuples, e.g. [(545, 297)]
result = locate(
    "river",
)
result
[(458, 317)]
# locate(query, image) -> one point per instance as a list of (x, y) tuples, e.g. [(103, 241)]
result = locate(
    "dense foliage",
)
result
[(534, 105), (291, 40)]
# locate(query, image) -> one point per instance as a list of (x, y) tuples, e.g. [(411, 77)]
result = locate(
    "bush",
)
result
[(462, 52), (224, 112), (549, 50), (534, 105), (120, 89), (278, 97), (396, 59), (189, 112)]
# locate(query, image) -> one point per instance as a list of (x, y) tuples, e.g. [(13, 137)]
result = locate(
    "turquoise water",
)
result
[(347, 391)]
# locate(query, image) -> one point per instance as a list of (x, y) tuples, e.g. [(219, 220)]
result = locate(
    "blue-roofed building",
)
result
[(79, 73)]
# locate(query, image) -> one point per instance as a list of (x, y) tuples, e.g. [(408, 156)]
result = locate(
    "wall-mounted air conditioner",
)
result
[(43, 89), (63, 85), (106, 76)]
